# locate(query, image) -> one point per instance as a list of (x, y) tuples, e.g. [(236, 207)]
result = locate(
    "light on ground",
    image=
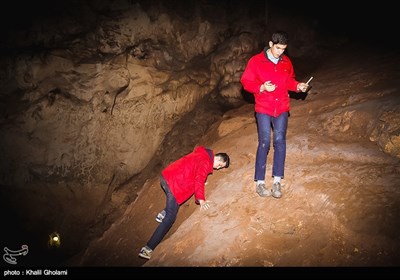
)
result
[(54, 239)]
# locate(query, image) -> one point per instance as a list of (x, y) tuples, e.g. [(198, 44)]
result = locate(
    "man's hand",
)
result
[(204, 205), (303, 87), (267, 86)]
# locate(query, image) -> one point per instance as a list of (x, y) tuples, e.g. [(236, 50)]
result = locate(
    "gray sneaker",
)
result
[(160, 216), (145, 253), (262, 190), (276, 190)]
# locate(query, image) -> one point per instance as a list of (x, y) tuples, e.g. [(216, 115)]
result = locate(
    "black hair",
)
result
[(280, 37), (224, 157)]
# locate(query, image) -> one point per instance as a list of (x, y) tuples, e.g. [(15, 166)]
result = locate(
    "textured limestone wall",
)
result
[(94, 95)]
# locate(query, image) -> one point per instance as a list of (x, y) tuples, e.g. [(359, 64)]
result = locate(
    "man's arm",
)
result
[(249, 78)]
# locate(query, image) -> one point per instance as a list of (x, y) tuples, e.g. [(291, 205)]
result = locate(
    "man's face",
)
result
[(218, 164), (277, 49)]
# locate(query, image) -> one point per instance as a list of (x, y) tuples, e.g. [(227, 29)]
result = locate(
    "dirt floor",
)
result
[(341, 192)]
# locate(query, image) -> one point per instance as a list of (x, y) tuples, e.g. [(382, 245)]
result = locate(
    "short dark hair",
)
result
[(280, 37), (224, 157)]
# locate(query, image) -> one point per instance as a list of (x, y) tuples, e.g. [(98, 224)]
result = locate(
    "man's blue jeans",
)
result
[(279, 127), (171, 212)]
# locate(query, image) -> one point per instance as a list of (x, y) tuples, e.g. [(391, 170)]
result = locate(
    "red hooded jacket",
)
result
[(260, 69), (187, 175)]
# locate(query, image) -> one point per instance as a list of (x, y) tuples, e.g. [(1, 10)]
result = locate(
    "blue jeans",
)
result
[(171, 210), (279, 127)]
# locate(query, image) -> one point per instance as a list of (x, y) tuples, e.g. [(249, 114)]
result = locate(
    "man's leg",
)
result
[(264, 139), (171, 212), (279, 141)]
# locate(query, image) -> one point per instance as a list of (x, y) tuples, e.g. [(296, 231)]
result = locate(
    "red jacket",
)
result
[(187, 175), (260, 69)]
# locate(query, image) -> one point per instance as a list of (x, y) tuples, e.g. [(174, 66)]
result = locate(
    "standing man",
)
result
[(180, 180), (269, 75)]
